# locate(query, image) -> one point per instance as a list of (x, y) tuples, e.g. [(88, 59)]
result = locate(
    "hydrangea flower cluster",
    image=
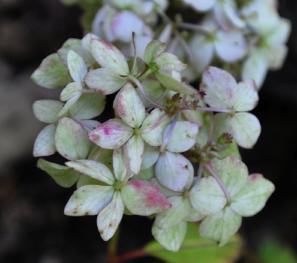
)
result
[(246, 37), (168, 151)]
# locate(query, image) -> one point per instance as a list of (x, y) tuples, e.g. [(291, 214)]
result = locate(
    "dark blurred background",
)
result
[(32, 226)]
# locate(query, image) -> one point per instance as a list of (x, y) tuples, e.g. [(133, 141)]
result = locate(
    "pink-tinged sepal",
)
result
[(144, 198)]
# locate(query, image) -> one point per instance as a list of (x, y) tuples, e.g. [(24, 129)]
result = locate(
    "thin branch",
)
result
[(140, 253), (143, 92), (113, 247), (197, 28)]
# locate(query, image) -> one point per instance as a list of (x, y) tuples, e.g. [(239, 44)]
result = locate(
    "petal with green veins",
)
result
[(71, 140), (52, 73), (45, 142), (47, 110), (71, 90), (104, 81), (77, 67), (110, 217), (150, 157), (253, 196), (88, 106), (111, 134), (88, 200), (108, 56), (207, 197), (232, 171), (183, 136), (62, 175), (154, 49), (246, 129), (231, 46), (93, 169), (174, 171), (246, 96), (133, 151), (153, 127), (119, 165), (129, 107), (178, 212), (220, 226), (172, 237), (144, 198), (219, 87)]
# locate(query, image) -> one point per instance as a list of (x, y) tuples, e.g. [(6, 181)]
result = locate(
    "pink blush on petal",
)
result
[(152, 195)]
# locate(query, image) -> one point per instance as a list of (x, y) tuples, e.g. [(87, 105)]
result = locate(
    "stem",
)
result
[(139, 253), (200, 172), (209, 109), (219, 181), (133, 47), (145, 74), (141, 89), (112, 248), (197, 28)]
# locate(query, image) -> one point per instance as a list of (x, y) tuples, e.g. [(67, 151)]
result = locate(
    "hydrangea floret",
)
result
[(167, 150)]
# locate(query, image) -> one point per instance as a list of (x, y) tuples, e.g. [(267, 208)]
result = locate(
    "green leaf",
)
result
[(52, 73), (172, 84), (272, 251), (194, 248), (62, 175)]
